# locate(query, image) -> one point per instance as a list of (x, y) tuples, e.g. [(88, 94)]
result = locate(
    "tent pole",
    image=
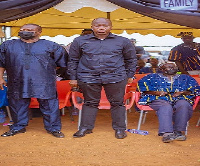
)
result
[(108, 15)]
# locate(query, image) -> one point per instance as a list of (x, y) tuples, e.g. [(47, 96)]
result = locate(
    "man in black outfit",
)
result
[(102, 59)]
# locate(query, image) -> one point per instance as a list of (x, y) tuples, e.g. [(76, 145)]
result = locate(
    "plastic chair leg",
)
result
[(197, 125), (186, 130), (79, 118), (70, 114), (9, 115), (126, 119), (127, 102), (144, 118), (140, 119), (63, 111)]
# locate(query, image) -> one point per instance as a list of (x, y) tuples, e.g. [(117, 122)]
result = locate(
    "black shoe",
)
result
[(179, 136), (120, 134), (57, 134), (161, 134), (82, 133), (168, 137), (13, 132)]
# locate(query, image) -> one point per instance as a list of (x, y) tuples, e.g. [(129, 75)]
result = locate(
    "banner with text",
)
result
[(179, 4)]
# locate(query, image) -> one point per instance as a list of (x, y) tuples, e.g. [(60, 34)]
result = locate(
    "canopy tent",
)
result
[(55, 21), (152, 9)]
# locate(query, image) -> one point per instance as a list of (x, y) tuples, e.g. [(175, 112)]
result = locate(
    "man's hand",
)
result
[(73, 83), (130, 80), (181, 93), (162, 93), (2, 83), (156, 93)]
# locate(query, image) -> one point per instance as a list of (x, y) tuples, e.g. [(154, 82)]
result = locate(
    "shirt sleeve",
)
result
[(130, 58), (192, 84), (73, 60), (2, 55), (175, 54), (60, 56)]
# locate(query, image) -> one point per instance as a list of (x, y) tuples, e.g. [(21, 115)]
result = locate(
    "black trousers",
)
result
[(92, 95)]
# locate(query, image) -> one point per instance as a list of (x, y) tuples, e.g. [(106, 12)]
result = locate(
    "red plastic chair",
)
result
[(64, 96), (194, 106), (133, 86), (145, 108), (129, 98)]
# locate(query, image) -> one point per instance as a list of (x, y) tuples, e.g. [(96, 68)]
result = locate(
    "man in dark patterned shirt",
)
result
[(186, 55), (97, 60)]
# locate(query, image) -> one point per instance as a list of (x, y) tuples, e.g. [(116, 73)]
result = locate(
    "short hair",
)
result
[(38, 26)]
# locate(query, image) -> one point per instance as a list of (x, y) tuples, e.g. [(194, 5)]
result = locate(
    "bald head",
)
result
[(101, 27), (169, 68), (102, 19)]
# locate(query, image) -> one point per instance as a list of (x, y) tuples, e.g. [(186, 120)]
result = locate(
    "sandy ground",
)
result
[(101, 148)]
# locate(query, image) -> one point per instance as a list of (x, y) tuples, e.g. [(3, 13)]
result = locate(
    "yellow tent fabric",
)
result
[(55, 22), (1, 32)]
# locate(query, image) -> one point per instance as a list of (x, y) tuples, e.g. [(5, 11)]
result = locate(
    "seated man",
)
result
[(171, 96)]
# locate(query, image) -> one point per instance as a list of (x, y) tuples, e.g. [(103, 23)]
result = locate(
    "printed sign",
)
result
[(179, 4)]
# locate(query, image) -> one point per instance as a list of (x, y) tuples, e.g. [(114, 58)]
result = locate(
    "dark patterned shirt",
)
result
[(189, 57), (31, 67), (92, 60)]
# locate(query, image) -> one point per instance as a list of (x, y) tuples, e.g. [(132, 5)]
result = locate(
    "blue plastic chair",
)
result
[(4, 101)]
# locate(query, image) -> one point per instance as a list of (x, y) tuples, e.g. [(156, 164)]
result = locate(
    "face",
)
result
[(133, 41), (101, 26), (154, 62), (141, 63), (169, 69), (187, 39), (29, 32)]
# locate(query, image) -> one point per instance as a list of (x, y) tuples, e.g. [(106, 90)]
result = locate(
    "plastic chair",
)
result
[(64, 97), (194, 106), (145, 108), (133, 86), (104, 103), (4, 101)]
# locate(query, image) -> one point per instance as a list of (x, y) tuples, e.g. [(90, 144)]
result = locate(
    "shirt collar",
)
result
[(93, 36)]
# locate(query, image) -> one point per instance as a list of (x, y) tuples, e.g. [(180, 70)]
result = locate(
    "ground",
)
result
[(101, 148)]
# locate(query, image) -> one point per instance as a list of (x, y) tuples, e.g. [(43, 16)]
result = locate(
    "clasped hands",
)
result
[(162, 93)]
